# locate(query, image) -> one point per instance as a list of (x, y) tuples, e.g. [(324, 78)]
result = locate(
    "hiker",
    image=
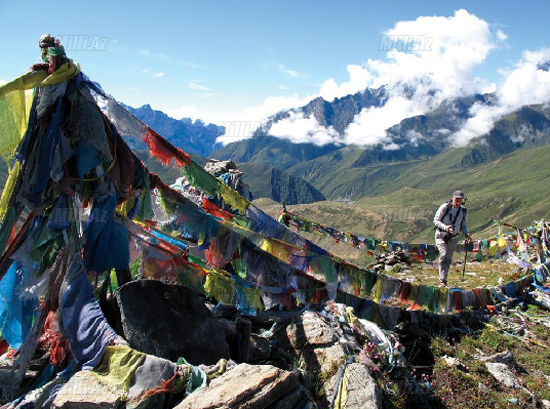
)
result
[(450, 219)]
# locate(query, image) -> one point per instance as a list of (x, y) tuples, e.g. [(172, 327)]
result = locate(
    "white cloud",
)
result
[(191, 64), (452, 48), (3, 82), (298, 129), (158, 75), (481, 122), (359, 81), (257, 115), (283, 87), (194, 85), (437, 62), (157, 56), (190, 111), (369, 127), (414, 137), (525, 85), (289, 72), (429, 60), (501, 35)]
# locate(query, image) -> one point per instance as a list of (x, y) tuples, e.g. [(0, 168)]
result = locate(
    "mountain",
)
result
[(191, 136), (272, 151), (416, 137), (281, 153), (267, 182), (338, 113), (352, 171), (358, 172), (282, 186)]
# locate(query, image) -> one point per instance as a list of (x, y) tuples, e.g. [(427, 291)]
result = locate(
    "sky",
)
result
[(228, 62)]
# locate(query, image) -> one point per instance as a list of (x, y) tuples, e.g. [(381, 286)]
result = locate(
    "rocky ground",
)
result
[(320, 357)]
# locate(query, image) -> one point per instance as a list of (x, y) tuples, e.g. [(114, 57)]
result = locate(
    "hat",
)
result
[(458, 193), (46, 40)]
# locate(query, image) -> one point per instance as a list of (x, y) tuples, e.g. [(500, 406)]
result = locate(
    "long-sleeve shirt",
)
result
[(442, 220)]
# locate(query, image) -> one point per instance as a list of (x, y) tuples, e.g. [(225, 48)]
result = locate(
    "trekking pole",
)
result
[(465, 258)]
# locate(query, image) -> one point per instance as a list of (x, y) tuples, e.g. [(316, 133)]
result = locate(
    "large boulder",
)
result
[(248, 387), (171, 321), (361, 390), (315, 341)]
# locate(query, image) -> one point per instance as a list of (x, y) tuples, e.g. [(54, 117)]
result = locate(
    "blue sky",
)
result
[(216, 59)]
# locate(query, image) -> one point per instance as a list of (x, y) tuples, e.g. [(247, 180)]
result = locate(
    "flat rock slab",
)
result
[(171, 321), (244, 387), (84, 391), (503, 374), (310, 329)]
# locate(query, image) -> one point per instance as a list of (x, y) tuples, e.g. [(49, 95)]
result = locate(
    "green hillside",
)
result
[(405, 196)]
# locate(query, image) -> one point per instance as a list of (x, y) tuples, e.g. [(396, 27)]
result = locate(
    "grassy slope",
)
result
[(513, 189)]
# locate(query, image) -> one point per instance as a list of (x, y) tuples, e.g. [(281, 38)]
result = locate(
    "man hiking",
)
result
[(450, 219)]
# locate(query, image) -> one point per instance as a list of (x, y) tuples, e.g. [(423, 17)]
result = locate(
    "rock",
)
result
[(295, 399), (323, 361), (260, 349), (170, 321), (451, 361), (483, 388), (362, 390), (84, 391), (216, 167), (506, 358), (545, 404), (310, 329), (244, 387), (503, 374)]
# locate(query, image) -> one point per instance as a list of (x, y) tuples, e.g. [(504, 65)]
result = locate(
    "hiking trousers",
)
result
[(446, 251)]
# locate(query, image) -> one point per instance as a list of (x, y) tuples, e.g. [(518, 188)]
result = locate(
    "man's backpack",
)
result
[(448, 209)]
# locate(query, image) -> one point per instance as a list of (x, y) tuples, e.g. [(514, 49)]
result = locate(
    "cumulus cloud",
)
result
[(298, 129), (369, 127), (253, 117), (3, 82), (429, 60), (359, 79), (527, 84), (436, 62)]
